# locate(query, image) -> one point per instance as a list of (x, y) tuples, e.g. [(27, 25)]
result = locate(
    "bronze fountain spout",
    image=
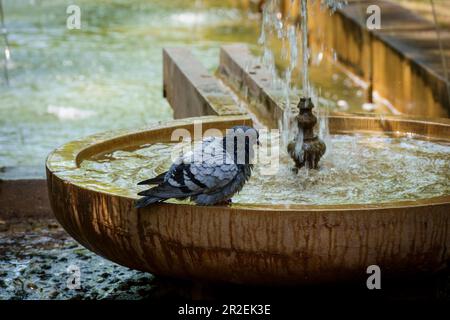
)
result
[(312, 148)]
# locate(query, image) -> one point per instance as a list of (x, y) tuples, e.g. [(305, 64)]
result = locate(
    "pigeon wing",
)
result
[(215, 169), (206, 169)]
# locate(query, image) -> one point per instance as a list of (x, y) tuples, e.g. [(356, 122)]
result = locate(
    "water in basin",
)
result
[(358, 169)]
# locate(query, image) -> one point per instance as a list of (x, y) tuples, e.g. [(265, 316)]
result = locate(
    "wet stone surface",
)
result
[(35, 256), (34, 261)]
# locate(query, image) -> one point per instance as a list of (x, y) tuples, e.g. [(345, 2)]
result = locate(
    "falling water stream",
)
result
[(305, 48), (294, 39), (6, 51)]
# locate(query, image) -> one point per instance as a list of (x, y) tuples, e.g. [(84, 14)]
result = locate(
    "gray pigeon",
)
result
[(211, 174)]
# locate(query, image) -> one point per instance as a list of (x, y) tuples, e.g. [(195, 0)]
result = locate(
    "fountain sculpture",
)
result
[(307, 148)]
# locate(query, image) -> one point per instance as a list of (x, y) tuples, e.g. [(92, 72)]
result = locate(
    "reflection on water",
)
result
[(359, 169)]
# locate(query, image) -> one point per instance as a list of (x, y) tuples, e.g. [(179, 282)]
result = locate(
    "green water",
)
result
[(66, 84), (70, 83), (357, 169)]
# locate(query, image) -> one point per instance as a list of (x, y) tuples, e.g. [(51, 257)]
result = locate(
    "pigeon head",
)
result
[(239, 142)]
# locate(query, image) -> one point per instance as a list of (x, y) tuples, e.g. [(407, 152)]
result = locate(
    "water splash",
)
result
[(272, 26), (299, 143), (278, 28), (288, 129), (323, 128), (69, 113), (333, 5), (305, 49), (7, 51)]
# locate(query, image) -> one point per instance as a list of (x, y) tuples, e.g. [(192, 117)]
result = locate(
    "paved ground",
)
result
[(35, 254)]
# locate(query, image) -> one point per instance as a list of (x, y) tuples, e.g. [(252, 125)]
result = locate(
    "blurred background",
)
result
[(61, 84)]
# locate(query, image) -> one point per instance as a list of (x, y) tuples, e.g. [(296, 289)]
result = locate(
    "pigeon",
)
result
[(210, 174)]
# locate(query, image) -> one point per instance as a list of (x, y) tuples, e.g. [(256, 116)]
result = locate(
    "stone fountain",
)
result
[(246, 242)]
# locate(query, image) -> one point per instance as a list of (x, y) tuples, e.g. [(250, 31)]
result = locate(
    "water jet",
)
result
[(6, 50)]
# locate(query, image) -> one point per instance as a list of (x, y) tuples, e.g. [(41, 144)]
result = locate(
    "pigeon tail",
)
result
[(156, 180), (145, 201), (161, 193)]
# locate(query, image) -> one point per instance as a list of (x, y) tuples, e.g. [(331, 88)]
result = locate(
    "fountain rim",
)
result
[(69, 156)]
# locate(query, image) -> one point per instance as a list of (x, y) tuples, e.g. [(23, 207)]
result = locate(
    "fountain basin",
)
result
[(250, 243)]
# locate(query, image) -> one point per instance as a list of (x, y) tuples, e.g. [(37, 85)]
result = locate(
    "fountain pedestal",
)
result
[(306, 149)]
